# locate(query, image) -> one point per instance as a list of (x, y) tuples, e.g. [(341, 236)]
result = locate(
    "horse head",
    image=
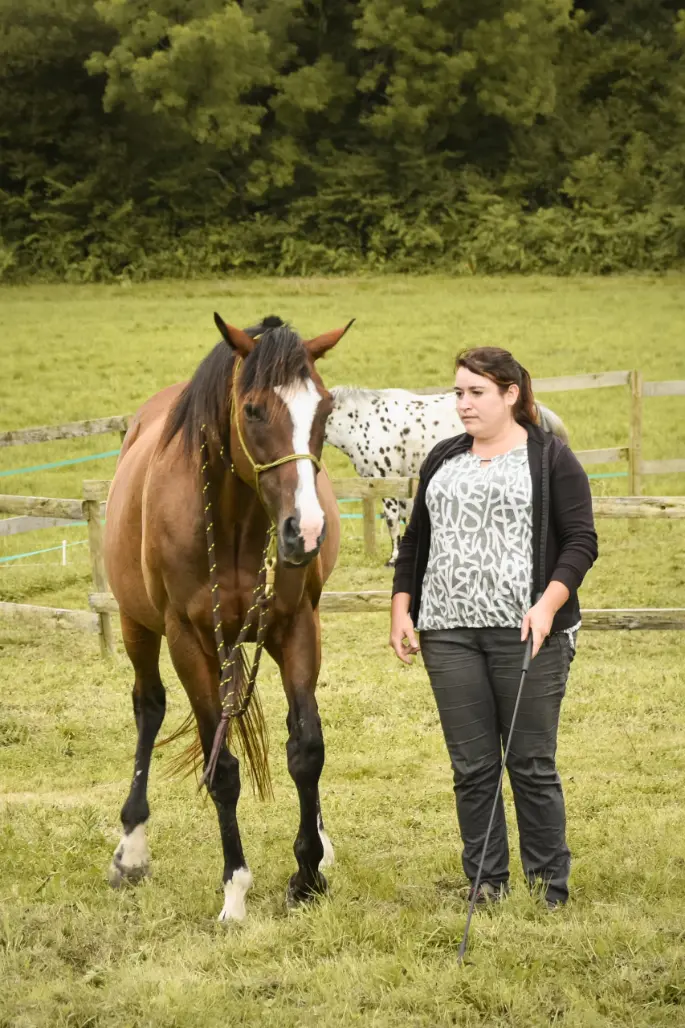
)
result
[(279, 411)]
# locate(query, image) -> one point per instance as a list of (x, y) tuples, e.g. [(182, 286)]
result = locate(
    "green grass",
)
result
[(381, 950)]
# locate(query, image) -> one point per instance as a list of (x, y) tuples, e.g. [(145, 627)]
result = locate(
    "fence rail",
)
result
[(103, 605), (631, 453), (377, 601), (51, 511), (72, 430), (638, 390)]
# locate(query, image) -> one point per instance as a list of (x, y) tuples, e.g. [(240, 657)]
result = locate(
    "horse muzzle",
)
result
[(297, 547)]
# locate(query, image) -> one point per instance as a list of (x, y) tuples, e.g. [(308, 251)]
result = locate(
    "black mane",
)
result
[(278, 359)]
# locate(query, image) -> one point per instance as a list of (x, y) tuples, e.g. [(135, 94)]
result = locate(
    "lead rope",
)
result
[(234, 705)]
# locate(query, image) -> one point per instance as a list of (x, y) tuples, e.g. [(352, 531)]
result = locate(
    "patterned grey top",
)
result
[(480, 564)]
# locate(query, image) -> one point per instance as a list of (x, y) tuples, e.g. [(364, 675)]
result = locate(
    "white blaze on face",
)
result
[(302, 399)]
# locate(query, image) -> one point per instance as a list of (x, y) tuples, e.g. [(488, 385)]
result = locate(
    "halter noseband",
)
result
[(259, 469)]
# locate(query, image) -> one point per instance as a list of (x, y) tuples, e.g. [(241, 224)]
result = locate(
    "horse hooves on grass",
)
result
[(119, 875), (297, 896)]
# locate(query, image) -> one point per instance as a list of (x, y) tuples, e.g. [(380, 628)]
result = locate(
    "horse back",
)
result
[(125, 520)]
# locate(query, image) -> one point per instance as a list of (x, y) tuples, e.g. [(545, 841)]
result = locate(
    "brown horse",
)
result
[(236, 450)]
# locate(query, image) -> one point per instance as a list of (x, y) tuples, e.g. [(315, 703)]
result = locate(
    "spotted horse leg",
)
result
[(391, 510)]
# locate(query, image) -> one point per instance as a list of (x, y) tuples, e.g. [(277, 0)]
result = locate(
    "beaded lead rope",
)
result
[(232, 706)]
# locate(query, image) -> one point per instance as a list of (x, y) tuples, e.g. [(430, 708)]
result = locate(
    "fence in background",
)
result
[(30, 512), (103, 604)]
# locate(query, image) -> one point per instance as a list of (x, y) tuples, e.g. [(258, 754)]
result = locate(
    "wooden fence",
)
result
[(630, 453), (72, 430), (91, 510), (103, 605), (29, 512), (638, 390)]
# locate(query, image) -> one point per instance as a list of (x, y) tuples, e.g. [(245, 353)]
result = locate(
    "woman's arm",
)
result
[(404, 565), (571, 508), (402, 635)]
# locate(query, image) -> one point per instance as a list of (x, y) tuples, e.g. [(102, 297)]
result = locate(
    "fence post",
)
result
[(369, 515), (91, 509), (635, 452)]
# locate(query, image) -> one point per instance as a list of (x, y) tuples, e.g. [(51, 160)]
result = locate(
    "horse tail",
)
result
[(243, 723), (189, 759)]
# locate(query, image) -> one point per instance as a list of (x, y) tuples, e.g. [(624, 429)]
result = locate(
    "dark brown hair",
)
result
[(504, 370)]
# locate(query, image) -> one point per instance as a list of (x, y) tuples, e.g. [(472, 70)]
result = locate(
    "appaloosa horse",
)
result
[(222, 528), (390, 432)]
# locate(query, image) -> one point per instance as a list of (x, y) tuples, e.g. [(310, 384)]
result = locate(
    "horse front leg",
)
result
[(328, 858), (200, 679), (131, 860), (391, 509), (299, 658)]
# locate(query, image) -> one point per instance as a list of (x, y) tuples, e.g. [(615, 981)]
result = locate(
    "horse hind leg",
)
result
[(131, 860)]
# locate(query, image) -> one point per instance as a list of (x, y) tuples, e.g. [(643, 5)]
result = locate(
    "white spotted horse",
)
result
[(390, 432), (222, 528)]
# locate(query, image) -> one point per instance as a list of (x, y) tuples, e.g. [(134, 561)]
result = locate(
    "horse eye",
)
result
[(253, 412)]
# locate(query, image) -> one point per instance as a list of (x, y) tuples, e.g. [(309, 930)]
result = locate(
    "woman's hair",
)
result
[(504, 370)]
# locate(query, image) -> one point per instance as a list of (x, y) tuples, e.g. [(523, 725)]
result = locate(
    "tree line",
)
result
[(185, 137)]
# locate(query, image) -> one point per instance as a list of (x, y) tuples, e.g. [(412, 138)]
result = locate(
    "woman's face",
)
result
[(483, 408)]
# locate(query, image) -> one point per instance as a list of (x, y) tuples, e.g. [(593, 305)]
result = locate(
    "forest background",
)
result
[(200, 137)]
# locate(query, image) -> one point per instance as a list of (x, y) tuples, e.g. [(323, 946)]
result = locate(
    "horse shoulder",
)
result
[(158, 406)]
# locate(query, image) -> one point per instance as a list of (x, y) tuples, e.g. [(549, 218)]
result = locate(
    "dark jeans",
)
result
[(475, 674)]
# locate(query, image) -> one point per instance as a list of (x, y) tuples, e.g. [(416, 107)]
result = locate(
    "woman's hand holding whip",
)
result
[(539, 618)]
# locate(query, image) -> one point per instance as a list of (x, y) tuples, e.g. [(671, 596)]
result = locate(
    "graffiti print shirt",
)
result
[(480, 564)]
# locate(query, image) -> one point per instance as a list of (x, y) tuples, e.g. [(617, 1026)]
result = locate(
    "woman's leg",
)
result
[(458, 675), (535, 782)]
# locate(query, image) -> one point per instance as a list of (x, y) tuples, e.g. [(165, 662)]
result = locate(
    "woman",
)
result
[(500, 539)]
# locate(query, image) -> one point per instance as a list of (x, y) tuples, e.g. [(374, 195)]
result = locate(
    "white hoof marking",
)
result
[(131, 857), (328, 858), (235, 890)]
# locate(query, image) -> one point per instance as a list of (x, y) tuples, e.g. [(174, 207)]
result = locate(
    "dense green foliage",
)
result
[(293, 136)]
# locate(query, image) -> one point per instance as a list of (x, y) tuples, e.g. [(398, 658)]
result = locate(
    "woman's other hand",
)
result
[(402, 636)]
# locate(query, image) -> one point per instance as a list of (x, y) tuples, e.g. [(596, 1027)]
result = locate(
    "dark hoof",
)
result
[(297, 895), (390, 563)]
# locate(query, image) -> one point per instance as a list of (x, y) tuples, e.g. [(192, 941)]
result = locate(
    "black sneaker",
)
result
[(489, 892)]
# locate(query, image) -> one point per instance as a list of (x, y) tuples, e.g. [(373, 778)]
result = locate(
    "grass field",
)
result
[(381, 950)]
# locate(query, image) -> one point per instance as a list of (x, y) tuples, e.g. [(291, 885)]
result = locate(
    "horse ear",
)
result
[(317, 347), (235, 337)]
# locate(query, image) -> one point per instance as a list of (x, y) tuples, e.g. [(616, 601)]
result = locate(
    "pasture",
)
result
[(381, 950)]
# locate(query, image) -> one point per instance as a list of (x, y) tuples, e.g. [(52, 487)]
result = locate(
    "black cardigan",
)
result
[(563, 525)]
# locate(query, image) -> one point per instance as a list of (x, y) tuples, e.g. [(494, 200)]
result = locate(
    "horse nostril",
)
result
[(291, 530)]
